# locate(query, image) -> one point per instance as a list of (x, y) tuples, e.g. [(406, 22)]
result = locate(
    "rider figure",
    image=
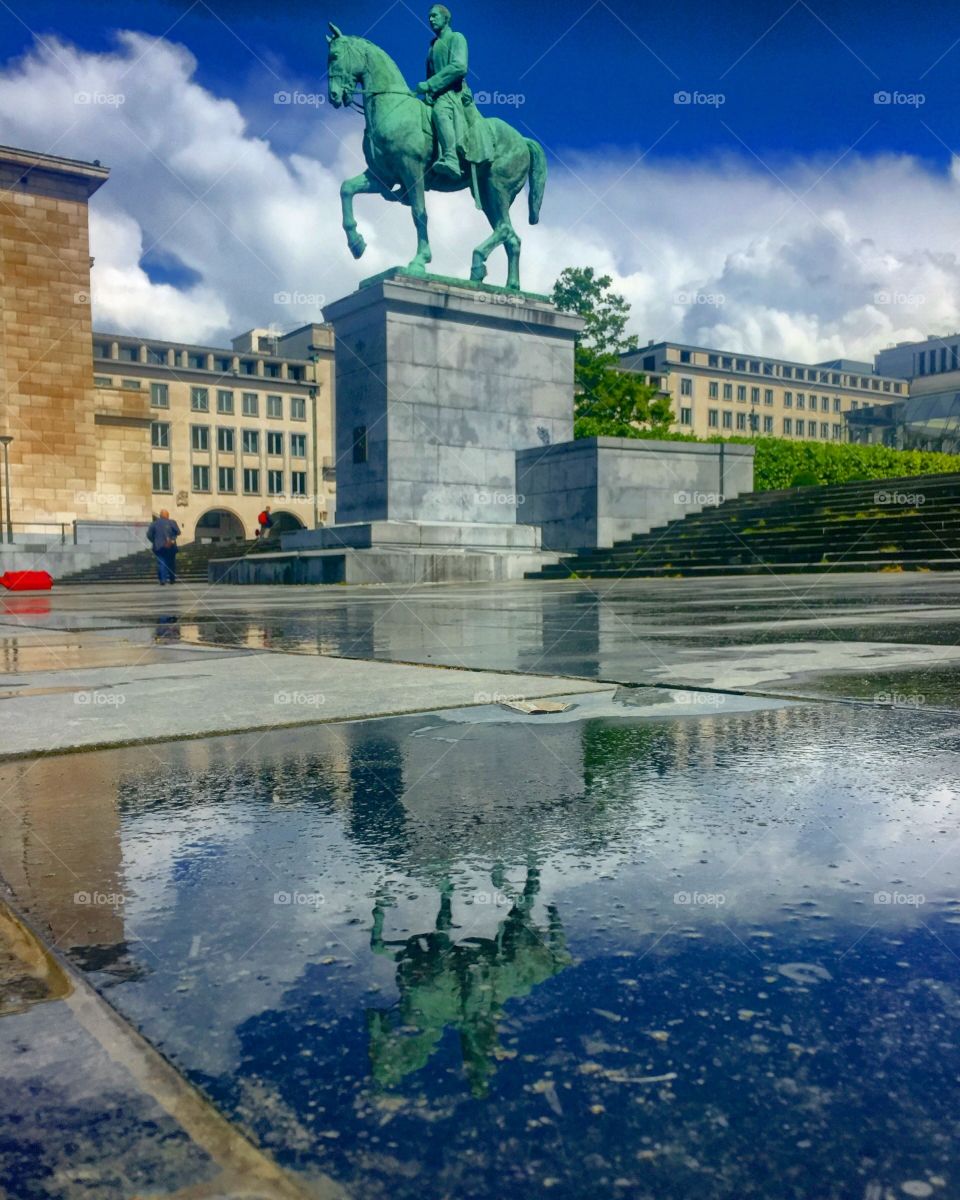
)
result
[(447, 92)]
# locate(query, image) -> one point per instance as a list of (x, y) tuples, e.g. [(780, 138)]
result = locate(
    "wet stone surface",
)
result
[(467, 954)]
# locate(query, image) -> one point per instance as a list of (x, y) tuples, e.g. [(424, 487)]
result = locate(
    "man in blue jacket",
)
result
[(162, 535)]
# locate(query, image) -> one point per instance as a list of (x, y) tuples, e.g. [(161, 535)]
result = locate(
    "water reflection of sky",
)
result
[(607, 957)]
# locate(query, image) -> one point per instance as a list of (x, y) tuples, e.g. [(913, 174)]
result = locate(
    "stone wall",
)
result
[(60, 456), (596, 491)]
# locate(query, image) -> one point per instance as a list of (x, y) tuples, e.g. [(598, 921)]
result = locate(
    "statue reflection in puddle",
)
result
[(464, 985)]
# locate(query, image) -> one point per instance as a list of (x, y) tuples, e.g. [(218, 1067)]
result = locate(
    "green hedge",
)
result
[(781, 464)]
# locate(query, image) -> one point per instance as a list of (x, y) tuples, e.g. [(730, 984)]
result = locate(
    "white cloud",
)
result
[(811, 262)]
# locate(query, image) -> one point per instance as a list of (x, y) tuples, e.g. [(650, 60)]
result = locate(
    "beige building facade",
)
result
[(716, 392), (232, 430), (76, 453)]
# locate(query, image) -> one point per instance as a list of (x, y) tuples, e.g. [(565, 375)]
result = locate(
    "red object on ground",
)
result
[(27, 581)]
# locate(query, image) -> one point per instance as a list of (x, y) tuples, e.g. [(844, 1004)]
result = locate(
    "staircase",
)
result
[(842, 527), (141, 567)]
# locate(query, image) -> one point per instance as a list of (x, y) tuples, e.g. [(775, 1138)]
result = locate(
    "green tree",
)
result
[(608, 402)]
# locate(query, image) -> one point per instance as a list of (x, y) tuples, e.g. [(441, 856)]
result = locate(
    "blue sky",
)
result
[(790, 213), (796, 77)]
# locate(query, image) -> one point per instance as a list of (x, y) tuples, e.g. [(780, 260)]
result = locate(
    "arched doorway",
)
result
[(285, 522), (219, 525)]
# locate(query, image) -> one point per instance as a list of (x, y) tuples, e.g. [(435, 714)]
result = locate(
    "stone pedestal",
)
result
[(438, 385)]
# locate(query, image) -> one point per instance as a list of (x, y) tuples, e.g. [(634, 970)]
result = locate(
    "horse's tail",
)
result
[(537, 178)]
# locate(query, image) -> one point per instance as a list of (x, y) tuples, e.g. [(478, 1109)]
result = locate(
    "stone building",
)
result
[(720, 392), (232, 430), (76, 453)]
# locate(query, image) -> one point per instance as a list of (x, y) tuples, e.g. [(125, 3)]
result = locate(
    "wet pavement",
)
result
[(675, 940)]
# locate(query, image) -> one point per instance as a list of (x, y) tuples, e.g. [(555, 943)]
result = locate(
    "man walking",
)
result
[(265, 521), (162, 535)]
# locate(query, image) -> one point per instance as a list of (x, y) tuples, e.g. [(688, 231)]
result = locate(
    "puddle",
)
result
[(497, 955)]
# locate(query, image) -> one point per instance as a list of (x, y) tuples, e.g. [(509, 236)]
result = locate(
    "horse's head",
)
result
[(345, 63)]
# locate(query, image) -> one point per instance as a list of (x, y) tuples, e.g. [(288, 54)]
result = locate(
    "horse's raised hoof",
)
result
[(357, 245)]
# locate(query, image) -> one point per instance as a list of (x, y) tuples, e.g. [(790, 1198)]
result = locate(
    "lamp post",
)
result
[(6, 439)]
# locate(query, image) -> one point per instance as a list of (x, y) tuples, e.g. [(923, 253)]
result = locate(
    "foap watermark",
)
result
[(910, 499), (497, 697), (101, 499), (300, 699), (298, 99), (914, 899), (509, 499), (100, 899), (702, 699), (706, 499), (81, 297), (502, 99), (700, 899), (104, 99), (300, 899), (504, 298), (301, 299), (903, 299), (700, 99), (900, 99), (99, 699), (900, 699), (714, 299)]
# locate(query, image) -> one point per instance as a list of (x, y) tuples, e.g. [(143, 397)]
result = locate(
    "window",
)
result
[(650, 362), (196, 362), (106, 381), (159, 395), (251, 441), (754, 395), (298, 445), (741, 364), (686, 416), (768, 424), (788, 399), (157, 357), (727, 363), (741, 392), (226, 479), (685, 356), (200, 437), (160, 435), (741, 420), (768, 395), (836, 404), (811, 429), (359, 443), (788, 425), (800, 426), (274, 483), (201, 479), (251, 480), (824, 429), (713, 418), (755, 367), (274, 442), (824, 403), (837, 433), (768, 368), (713, 390), (298, 483), (161, 477), (224, 402), (727, 419), (686, 387), (225, 440), (248, 366), (251, 404), (298, 408), (199, 399), (130, 385), (854, 405), (786, 372), (274, 406), (728, 391), (801, 400), (713, 360)]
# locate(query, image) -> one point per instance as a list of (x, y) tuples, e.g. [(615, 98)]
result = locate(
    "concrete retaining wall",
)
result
[(596, 491)]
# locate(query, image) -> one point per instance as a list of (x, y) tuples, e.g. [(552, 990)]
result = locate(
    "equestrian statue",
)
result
[(433, 140)]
